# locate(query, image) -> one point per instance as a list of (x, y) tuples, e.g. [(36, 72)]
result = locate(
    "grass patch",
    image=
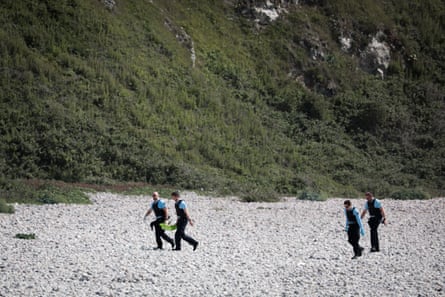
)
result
[(25, 236), (42, 192), (54, 195), (410, 194), (36, 191), (312, 196), (6, 208)]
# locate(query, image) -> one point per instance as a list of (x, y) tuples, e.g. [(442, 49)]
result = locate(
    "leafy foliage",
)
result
[(41, 193), (25, 236), (93, 95), (312, 196), (410, 195), (6, 208)]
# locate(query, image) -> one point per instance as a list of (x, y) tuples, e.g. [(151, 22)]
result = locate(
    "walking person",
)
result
[(354, 227), (376, 216), (181, 223), (160, 210)]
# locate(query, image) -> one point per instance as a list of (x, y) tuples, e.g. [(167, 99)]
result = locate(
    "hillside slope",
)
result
[(219, 96)]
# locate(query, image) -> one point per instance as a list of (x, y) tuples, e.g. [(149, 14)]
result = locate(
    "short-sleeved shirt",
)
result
[(161, 205), (357, 218), (377, 204), (356, 215), (182, 205)]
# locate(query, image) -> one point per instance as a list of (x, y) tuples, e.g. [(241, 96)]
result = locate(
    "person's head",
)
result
[(347, 204), (368, 196), (175, 195), (155, 196)]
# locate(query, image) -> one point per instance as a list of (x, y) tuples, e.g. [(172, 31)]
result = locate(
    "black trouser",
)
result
[(374, 223), (160, 233), (180, 233), (354, 237)]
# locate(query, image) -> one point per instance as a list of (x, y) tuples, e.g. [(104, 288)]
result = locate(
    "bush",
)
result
[(35, 191), (315, 107), (370, 117), (53, 195), (312, 196), (410, 194), (25, 236), (6, 208)]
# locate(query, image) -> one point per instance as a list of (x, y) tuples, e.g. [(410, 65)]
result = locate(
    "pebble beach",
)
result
[(286, 248)]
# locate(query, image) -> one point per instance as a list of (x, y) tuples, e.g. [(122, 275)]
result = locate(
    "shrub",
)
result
[(410, 194), (312, 196), (34, 191), (25, 236), (6, 208), (315, 107), (370, 117), (46, 199), (53, 195)]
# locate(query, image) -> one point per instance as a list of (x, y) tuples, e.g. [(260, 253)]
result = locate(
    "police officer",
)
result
[(181, 223), (160, 210), (354, 227), (376, 216)]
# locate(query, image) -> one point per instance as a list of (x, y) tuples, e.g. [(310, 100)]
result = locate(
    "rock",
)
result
[(276, 247), (264, 12), (346, 43), (109, 4), (183, 38), (377, 55)]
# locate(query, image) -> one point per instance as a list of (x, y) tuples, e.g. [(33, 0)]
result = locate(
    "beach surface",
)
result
[(287, 248)]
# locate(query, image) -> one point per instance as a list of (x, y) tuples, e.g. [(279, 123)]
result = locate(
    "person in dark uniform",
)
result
[(160, 210), (354, 227), (181, 223), (376, 216)]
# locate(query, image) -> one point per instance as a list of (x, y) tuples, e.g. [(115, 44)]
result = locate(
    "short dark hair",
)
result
[(347, 202), (368, 194), (175, 194)]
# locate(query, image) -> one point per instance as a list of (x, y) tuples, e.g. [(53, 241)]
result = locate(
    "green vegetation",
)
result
[(410, 195), (101, 97), (6, 208), (25, 236), (311, 196), (42, 192)]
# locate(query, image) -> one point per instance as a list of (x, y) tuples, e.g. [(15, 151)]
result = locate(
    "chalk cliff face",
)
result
[(264, 12), (376, 56)]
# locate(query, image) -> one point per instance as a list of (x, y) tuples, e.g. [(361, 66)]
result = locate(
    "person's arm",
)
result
[(148, 212), (359, 221), (363, 214), (347, 222), (165, 213), (188, 216), (378, 204), (382, 211)]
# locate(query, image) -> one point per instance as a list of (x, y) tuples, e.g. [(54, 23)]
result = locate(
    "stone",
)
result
[(109, 4)]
